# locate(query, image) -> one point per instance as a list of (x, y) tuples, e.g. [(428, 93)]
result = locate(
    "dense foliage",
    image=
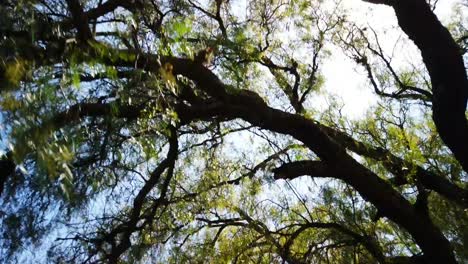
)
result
[(188, 131)]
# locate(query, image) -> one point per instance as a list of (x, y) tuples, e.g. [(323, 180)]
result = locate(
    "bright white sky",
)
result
[(349, 82)]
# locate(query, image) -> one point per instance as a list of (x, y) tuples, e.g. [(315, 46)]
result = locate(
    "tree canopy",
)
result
[(190, 131)]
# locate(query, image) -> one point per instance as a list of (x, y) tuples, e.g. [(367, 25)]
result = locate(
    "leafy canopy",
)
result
[(195, 132)]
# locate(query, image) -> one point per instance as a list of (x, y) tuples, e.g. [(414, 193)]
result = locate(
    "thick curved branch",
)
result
[(110, 6), (296, 169), (370, 186)]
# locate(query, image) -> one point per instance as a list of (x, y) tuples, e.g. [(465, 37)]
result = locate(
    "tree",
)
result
[(163, 131)]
